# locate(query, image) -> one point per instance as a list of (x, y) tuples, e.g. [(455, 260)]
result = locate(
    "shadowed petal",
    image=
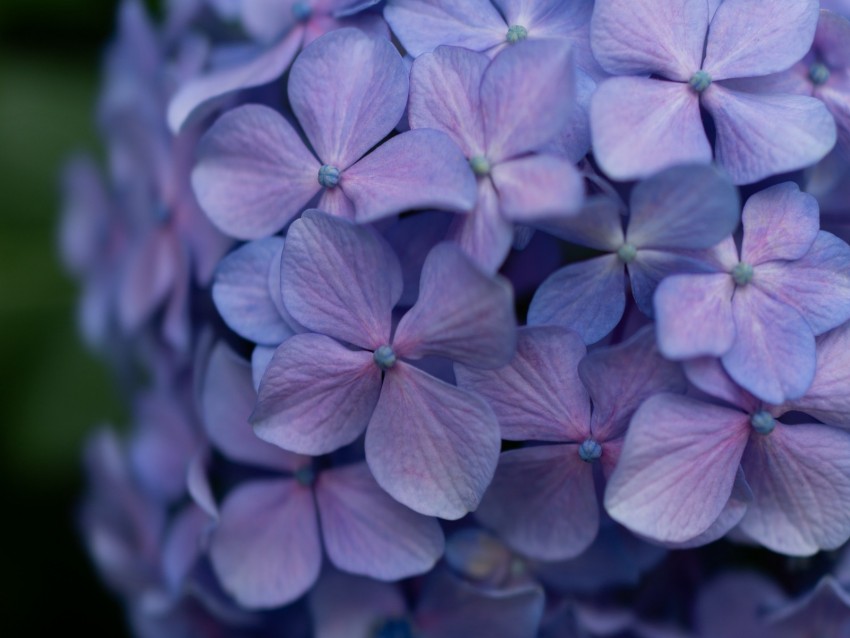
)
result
[(650, 267), (483, 233), (693, 315), (707, 374), (462, 313), (748, 39), (266, 550), (538, 186), (599, 225), (800, 477), (641, 37), (780, 222), (432, 446), (538, 395), (340, 279), (348, 92), (732, 605), (588, 297), (316, 395), (253, 173), (150, 272), (267, 19), (343, 606), (677, 467), (542, 502), (422, 168), (367, 532), (760, 134), (641, 126)]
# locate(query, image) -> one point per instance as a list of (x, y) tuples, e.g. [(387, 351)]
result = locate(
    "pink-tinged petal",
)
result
[(538, 396), (430, 445), (619, 378), (677, 467), (227, 400), (149, 274), (444, 95), (641, 126), (524, 92), (316, 395), (780, 222), (343, 606), (542, 502), (462, 313), (337, 203), (693, 315), (800, 477), (708, 375), (817, 286), (266, 550), (340, 279), (587, 297), (538, 186), (760, 134), (642, 37), (773, 356), (369, 93), (242, 296), (685, 207), (599, 225), (483, 233), (423, 25), (832, 38), (367, 532), (253, 173), (201, 95), (421, 168), (746, 38), (372, 24)]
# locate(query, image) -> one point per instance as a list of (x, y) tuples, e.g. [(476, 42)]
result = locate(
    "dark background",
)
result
[(52, 392)]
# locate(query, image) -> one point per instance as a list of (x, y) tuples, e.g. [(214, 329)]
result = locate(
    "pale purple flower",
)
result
[(348, 91), (431, 445), (762, 311), (711, 60)]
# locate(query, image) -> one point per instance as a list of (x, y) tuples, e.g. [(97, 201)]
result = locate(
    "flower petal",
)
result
[(780, 222), (483, 233), (367, 532), (316, 395), (538, 186), (708, 375), (343, 606), (538, 396), (677, 467), (340, 279), (266, 550), (421, 168), (542, 502), (430, 445), (253, 173), (348, 91), (599, 225), (641, 126), (462, 313)]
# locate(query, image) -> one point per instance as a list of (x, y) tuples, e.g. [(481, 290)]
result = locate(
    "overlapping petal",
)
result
[(538, 187), (780, 222)]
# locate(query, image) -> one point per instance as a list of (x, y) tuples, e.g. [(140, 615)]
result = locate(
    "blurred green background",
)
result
[(51, 390)]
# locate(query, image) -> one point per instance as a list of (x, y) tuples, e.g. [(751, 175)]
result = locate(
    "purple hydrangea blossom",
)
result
[(711, 59), (761, 312), (254, 174), (676, 217)]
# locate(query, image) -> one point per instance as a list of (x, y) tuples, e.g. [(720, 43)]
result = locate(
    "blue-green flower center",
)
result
[(305, 476), (328, 176), (394, 628), (763, 422), (700, 81), (818, 73), (627, 253), (742, 274), (516, 33), (384, 357), (302, 11), (480, 165), (590, 450)]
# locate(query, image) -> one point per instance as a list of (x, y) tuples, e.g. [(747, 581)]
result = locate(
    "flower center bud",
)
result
[(589, 450), (394, 628), (627, 253), (480, 165), (700, 81), (384, 357), (328, 176), (516, 33), (302, 11), (305, 476), (742, 274), (818, 73), (763, 422)]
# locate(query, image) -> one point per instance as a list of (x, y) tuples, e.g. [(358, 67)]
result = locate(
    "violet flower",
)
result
[(702, 59), (348, 91), (431, 445)]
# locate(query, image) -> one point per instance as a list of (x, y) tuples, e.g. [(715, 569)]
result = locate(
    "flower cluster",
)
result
[(487, 318)]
